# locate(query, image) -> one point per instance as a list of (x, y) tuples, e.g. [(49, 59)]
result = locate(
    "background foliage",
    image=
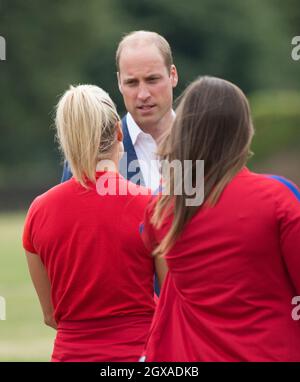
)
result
[(51, 44)]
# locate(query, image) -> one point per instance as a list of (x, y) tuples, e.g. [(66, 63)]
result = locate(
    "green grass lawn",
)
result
[(23, 335)]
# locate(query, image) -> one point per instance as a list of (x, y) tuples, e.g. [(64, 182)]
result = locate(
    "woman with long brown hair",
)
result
[(233, 260)]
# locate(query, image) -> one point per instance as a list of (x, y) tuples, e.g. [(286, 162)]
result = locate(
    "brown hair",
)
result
[(213, 123), (142, 37)]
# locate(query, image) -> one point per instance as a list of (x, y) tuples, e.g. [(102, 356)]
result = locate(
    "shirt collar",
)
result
[(133, 128)]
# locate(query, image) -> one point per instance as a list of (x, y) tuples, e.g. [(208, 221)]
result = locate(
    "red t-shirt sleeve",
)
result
[(288, 210), (27, 231)]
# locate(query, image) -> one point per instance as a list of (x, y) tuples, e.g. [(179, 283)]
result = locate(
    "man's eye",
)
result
[(154, 79), (130, 83)]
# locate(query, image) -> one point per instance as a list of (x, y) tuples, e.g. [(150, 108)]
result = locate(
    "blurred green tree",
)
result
[(52, 44)]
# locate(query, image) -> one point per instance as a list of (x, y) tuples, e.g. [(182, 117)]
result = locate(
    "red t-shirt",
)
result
[(232, 275), (97, 264)]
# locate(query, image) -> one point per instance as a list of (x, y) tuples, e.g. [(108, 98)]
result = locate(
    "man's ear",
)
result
[(174, 76), (119, 82)]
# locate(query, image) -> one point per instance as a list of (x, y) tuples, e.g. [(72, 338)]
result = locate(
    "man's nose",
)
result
[(143, 93)]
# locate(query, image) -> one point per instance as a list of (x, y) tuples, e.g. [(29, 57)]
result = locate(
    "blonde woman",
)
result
[(91, 271), (234, 260)]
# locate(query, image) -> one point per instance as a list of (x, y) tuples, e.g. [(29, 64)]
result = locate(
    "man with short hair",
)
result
[(146, 78)]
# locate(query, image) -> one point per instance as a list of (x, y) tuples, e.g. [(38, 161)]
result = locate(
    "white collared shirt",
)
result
[(145, 148)]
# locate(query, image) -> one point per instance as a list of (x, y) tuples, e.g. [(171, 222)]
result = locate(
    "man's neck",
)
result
[(157, 130)]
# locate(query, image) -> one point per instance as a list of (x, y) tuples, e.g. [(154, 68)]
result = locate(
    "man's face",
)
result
[(146, 84)]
